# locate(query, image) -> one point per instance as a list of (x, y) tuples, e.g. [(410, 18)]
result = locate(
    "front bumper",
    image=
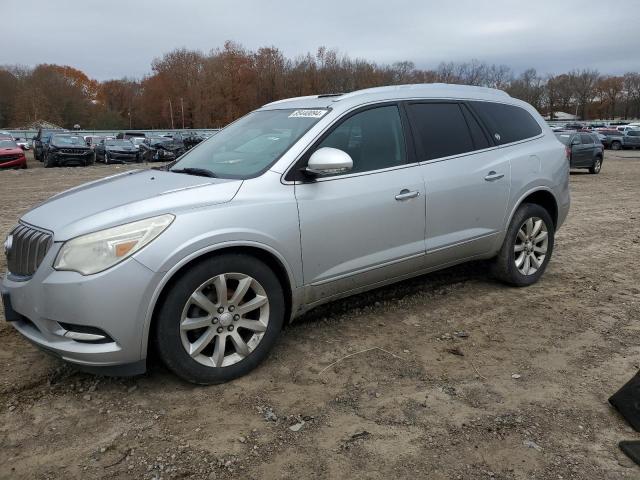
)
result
[(73, 159), (114, 301), (122, 157), (19, 162)]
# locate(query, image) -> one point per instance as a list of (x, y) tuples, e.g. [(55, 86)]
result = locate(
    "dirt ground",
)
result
[(451, 375)]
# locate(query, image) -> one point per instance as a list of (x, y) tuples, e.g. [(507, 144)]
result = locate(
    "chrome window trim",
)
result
[(419, 162)]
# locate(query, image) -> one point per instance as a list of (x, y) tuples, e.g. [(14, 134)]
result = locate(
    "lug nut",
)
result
[(230, 328), (220, 329), (231, 308), (215, 320), (220, 309), (236, 317)]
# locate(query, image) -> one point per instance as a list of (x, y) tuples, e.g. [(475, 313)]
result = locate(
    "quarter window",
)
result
[(373, 138), (440, 129), (507, 123)]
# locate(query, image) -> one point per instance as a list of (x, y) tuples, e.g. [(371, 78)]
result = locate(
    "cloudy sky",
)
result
[(116, 38)]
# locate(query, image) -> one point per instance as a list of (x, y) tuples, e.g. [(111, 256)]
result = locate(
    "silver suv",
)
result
[(298, 203)]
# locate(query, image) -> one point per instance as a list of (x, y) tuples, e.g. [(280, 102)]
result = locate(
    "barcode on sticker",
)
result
[(308, 114)]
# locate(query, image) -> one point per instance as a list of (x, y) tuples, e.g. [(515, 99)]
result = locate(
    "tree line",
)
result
[(190, 89)]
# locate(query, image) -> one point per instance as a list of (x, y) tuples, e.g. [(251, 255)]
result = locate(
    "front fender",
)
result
[(165, 277)]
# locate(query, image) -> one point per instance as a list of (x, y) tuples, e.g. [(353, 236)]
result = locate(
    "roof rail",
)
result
[(427, 87)]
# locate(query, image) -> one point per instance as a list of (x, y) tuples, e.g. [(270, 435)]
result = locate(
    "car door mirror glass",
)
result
[(329, 161)]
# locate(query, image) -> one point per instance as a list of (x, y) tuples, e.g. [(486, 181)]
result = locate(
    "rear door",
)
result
[(467, 182), (587, 150)]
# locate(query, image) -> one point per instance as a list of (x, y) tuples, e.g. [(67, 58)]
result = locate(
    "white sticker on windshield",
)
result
[(308, 114)]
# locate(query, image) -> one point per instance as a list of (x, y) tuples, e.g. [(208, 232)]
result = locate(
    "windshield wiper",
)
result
[(201, 172)]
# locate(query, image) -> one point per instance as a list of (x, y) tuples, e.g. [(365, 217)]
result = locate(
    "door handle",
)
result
[(406, 194), (492, 176)]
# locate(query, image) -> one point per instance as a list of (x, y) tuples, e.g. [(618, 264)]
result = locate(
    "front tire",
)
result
[(48, 162), (220, 319), (616, 145), (527, 247)]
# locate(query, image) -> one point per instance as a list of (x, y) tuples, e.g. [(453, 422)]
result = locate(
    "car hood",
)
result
[(125, 198), (10, 151)]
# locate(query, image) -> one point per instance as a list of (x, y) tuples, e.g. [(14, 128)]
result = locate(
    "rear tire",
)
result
[(616, 145), (527, 249), (206, 335), (597, 166)]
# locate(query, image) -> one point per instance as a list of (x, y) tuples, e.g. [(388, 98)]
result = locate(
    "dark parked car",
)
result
[(584, 150), (631, 139), (116, 151), (67, 150), (41, 139), (11, 155), (162, 149), (128, 135), (191, 140), (612, 138)]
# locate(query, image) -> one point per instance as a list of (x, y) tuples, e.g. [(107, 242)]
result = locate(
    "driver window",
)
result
[(373, 138)]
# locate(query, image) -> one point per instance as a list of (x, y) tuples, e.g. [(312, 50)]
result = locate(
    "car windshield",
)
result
[(137, 140), (252, 144), (564, 138), (118, 143), (64, 140), (8, 144)]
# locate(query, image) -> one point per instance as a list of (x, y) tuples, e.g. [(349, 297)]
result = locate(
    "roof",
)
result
[(394, 92)]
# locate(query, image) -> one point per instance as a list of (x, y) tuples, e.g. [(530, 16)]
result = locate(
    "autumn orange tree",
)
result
[(194, 89)]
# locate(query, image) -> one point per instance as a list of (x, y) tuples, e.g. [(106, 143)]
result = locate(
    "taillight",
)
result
[(567, 151)]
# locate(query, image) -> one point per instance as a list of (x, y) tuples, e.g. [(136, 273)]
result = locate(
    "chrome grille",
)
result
[(27, 248)]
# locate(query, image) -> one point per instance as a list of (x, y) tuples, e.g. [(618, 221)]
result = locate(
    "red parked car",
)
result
[(11, 155)]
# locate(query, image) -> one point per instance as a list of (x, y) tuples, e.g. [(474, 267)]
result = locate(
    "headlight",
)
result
[(98, 251)]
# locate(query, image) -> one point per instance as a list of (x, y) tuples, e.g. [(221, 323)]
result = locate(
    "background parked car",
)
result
[(191, 140), (23, 143), (116, 151), (11, 155), (162, 149), (93, 140), (68, 150), (631, 139), (129, 135), (41, 137), (583, 150), (612, 138)]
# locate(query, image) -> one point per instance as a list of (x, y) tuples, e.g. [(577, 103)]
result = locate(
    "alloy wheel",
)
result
[(531, 244), (224, 319)]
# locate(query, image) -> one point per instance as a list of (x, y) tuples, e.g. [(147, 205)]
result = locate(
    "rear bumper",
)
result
[(50, 304)]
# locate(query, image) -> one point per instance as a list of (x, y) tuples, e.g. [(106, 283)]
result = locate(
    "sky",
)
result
[(115, 38)]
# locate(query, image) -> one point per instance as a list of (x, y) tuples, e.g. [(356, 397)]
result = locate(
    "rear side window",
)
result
[(507, 123), (633, 133), (440, 129), (586, 139)]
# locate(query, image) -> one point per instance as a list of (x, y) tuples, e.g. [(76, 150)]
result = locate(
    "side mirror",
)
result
[(328, 161)]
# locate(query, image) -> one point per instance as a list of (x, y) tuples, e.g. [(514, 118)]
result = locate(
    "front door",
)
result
[(365, 226)]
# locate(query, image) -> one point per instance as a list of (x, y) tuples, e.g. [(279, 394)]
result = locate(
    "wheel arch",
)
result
[(541, 196), (263, 253)]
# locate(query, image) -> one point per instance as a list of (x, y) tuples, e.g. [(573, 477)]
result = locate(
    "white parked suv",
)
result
[(298, 203)]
